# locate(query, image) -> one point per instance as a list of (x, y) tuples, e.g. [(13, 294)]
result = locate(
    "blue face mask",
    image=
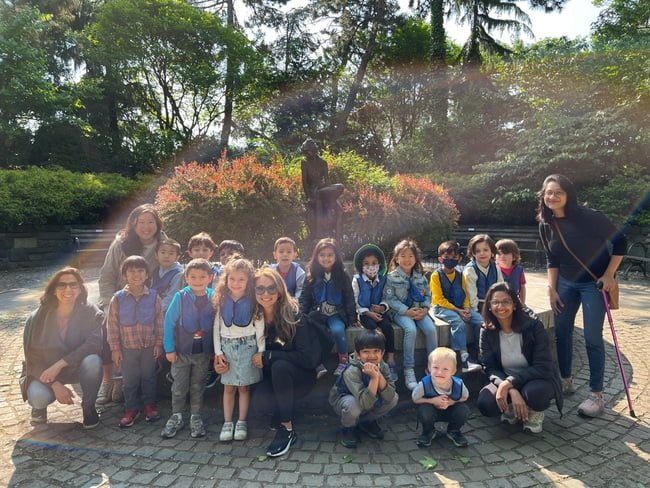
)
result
[(450, 263)]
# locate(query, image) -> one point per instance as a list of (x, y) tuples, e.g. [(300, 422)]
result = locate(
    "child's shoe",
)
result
[(39, 416), (371, 429), (227, 432), (129, 417), (593, 406), (150, 413), (457, 437), (321, 371), (468, 366), (534, 422), (509, 416), (409, 378), (281, 442), (349, 437), (567, 386), (241, 430), (173, 425), (343, 363), (197, 429), (105, 393), (426, 439), (211, 379), (90, 417)]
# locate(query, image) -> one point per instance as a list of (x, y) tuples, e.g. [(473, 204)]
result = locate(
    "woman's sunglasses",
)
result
[(261, 290)]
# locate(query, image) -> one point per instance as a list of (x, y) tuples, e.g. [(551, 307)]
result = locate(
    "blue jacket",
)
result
[(368, 294), (431, 392), (295, 280), (401, 291), (453, 291), (169, 283), (132, 311), (183, 321), (514, 278)]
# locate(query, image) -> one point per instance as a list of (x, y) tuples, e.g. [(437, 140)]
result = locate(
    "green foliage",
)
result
[(257, 203), (38, 196)]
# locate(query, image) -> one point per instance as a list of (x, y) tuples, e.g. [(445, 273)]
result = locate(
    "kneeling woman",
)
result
[(63, 341), (516, 353), (289, 361)]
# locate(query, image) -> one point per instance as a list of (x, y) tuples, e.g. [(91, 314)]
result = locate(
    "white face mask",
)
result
[(371, 271)]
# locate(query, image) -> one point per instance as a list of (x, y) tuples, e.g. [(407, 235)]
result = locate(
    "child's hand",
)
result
[(157, 352), (371, 370), (378, 309), (257, 360), (221, 360), (171, 357), (374, 316), (465, 315), (410, 313), (441, 402), (117, 357)]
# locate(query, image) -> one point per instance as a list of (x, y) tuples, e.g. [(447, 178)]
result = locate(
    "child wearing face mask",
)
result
[(451, 303), (368, 286)]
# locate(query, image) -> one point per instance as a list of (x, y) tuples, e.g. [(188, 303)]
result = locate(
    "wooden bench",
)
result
[(526, 237), (637, 257), (91, 243)]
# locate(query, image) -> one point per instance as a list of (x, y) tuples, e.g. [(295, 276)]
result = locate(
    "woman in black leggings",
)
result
[(516, 353)]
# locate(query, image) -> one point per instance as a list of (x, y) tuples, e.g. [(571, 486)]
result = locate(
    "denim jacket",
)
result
[(399, 286)]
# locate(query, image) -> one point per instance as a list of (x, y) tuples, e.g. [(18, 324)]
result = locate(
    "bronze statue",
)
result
[(323, 208)]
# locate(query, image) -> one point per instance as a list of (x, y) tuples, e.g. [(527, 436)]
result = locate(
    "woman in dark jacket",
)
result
[(63, 343), (568, 231), (516, 353)]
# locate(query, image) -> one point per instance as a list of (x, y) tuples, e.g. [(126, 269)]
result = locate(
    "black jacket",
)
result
[(535, 348), (303, 351)]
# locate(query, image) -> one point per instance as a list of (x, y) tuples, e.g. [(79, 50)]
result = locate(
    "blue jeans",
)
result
[(89, 376), (409, 325), (459, 326), (593, 315), (337, 329), (139, 375)]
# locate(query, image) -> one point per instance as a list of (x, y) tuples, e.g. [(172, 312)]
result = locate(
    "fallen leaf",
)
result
[(429, 463), (262, 458), (463, 459), (347, 458)]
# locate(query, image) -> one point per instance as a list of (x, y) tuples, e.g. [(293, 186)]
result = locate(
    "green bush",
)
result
[(256, 203), (37, 196)]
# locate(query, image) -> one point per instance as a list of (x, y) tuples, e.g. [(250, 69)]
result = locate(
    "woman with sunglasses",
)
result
[(289, 361), (516, 353), (62, 344), (583, 251)]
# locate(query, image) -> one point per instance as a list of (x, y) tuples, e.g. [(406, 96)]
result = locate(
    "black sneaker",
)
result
[(39, 416), (349, 437), (457, 438), (426, 439), (371, 429), (281, 442), (91, 417), (211, 379)]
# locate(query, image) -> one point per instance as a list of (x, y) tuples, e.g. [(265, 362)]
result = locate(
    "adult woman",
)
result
[(140, 236), (516, 353), (567, 230), (62, 343), (289, 361)]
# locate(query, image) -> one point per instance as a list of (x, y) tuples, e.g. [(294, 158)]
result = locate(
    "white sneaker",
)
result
[(534, 422), (409, 378), (227, 432), (105, 393), (241, 430), (593, 406)]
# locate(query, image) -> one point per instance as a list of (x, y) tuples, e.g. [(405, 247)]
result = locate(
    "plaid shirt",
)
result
[(139, 336)]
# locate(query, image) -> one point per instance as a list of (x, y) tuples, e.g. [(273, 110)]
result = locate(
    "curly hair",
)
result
[(234, 265)]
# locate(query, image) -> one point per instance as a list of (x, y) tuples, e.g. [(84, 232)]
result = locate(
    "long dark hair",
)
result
[(315, 270), (130, 241), (544, 214), (49, 300), (519, 315)]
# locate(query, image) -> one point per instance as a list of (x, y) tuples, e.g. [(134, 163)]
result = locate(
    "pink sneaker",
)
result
[(340, 368), (593, 406)]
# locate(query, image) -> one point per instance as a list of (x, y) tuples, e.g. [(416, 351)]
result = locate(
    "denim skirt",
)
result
[(239, 353)]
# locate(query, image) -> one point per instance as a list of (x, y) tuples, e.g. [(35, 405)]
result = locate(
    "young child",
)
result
[(201, 246), (328, 293), (229, 248), (364, 392), (134, 334), (238, 335), (284, 253), (408, 295), (508, 259), (482, 272), (451, 303), (368, 287), (188, 345), (440, 397), (167, 278)]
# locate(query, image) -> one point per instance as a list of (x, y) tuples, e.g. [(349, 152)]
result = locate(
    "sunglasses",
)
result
[(503, 303), (261, 290), (62, 285)]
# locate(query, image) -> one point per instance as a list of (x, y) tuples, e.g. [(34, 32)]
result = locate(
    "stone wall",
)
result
[(34, 247)]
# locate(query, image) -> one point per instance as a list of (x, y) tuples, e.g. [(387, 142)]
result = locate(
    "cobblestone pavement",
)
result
[(611, 451)]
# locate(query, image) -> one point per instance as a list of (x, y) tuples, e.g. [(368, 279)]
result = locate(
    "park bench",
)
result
[(637, 257), (90, 244)]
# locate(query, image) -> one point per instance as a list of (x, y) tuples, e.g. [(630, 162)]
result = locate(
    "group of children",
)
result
[(202, 317)]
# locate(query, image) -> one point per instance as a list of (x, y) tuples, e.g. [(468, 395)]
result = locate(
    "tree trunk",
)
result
[(226, 126), (440, 95)]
